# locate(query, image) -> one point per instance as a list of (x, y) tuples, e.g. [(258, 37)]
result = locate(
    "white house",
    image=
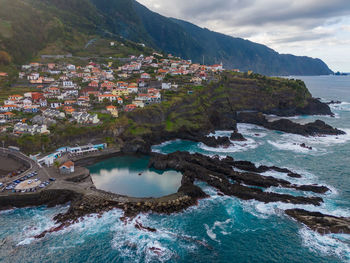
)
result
[(109, 97), (166, 85), (71, 67), (31, 129), (145, 76), (55, 105), (67, 168), (11, 107), (83, 117), (133, 89), (49, 113), (27, 103), (68, 84), (33, 76)]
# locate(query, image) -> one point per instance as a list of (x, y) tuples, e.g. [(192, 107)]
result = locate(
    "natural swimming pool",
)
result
[(129, 175)]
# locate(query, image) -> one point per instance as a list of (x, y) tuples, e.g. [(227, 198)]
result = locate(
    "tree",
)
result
[(92, 97), (56, 164), (5, 58)]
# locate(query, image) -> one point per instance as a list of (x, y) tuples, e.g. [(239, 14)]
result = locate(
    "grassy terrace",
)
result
[(6, 91), (233, 92)]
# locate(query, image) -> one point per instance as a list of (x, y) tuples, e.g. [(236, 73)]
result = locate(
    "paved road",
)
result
[(33, 165)]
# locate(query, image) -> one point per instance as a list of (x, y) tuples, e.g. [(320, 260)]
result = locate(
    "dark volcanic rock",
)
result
[(136, 145), (333, 102), (218, 174), (313, 188), (249, 166), (324, 224), (294, 175), (235, 136), (139, 226), (189, 188), (314, 129), (303, 145), (315, 107), (256, 118), (216, 142)]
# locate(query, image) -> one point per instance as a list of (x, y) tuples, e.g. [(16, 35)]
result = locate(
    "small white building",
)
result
[(145, 76), (68, 84), (85, 118), (67, 168), (166, 85), (71, 67), (55, 105), (109, 97), (23, 128)]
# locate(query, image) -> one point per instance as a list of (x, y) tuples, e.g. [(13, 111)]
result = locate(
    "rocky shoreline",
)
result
[(323, 224), (248, 184), (316, 128), (229, 177)]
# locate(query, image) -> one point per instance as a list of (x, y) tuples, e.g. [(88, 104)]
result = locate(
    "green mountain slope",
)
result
[(29, 26)]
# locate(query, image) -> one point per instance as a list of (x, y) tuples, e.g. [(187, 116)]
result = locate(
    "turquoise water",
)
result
[(219, 229), (129, 175)]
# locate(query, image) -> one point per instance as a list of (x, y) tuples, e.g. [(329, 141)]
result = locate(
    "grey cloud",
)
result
[(306, 13), (292, 26), (303, 37)]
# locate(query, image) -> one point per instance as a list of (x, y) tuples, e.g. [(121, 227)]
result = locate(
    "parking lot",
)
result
[(32, 182)]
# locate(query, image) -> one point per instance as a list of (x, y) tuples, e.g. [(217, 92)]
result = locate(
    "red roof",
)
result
[(11, 106), (37, 96), (68, 164)]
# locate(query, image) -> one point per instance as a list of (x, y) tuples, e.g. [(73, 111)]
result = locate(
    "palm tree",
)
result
[(56, 164)]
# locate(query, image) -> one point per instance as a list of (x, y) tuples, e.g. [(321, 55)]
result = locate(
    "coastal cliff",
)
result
[(220, 105)]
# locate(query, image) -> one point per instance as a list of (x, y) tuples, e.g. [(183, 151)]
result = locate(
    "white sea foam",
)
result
[(320, 145), (217, 134), (157, 148), (331, 245), (138, 246), (39, 223), (9, 211), (251, 130), (222, 226), (344, 106), (326, 244), (292, 146), (210, 232), (168, 142), (306, 177), (250, 144), (262, 210)]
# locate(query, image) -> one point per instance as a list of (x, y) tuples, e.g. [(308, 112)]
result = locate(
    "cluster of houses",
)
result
[(78, 93)]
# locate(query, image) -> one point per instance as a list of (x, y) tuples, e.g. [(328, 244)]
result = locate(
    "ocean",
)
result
[(219, 229)]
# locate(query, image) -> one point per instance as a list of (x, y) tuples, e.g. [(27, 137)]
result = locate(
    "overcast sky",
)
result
[(316, 28)]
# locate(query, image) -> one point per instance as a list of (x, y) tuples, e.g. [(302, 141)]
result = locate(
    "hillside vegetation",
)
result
[(195, 110), (30, 26), (205, 107)]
